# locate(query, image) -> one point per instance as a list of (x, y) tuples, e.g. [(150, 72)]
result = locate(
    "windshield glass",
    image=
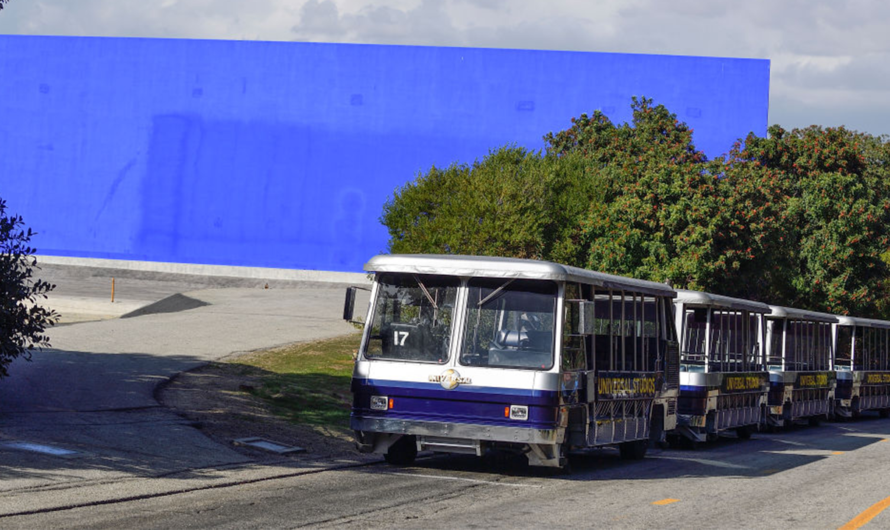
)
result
[(509, 324), (412, 318)]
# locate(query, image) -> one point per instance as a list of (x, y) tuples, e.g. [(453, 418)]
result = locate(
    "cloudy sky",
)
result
[(830, 60)]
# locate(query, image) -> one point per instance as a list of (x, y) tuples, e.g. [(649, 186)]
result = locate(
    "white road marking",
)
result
[(704, 461), (461, 479), (38, 448), (789, 442)]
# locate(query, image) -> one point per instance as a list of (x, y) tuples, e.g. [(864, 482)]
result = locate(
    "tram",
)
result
[(862, 363), (466, 354), (724, 383), (799, 358)]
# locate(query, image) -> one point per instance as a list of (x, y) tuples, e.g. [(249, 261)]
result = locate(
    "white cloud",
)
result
[(829, 59)]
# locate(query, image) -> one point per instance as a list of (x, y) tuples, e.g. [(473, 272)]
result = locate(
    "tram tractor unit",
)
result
[(799, 357), (862, 364), (477, 355), (724, 383), (465, 354)]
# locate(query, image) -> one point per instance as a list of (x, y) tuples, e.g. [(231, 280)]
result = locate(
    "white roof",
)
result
[(698, 298), (495, 267), (862, 322), (800, 314)]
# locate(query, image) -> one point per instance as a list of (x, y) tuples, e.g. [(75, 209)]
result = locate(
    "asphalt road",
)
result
[(135, 464), (808, 478)]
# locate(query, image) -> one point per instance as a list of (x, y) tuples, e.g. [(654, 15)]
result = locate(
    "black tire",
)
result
[(403, 452), (744, 433), (814, 421), (884, 413), (635, 450)]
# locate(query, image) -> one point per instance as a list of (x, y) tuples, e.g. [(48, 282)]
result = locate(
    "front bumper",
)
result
[(458, 430)]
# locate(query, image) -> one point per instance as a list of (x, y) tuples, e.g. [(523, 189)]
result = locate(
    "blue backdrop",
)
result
[(279, 154)]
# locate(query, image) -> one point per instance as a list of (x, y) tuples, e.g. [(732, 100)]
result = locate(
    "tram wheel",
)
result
[(635, 450), (744, 433), (403, 452), (884, 413)]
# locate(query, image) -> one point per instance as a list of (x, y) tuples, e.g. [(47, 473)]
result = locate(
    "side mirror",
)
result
[(349, 305)]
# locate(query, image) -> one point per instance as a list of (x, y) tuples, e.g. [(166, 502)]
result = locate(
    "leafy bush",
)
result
[(22, 321), (513, 202)]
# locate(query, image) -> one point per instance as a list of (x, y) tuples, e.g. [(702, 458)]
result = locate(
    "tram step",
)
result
[(449, 445)]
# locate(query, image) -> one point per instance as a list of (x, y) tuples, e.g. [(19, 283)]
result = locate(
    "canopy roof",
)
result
[(496, 267), (701, 299)]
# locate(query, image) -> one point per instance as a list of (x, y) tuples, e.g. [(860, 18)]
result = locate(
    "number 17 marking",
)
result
[(398, 341)]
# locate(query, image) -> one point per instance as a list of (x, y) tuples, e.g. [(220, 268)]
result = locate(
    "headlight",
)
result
[(518, 412), (379, 403)]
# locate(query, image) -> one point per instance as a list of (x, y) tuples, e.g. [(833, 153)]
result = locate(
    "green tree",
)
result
[(798, 218), (22, 321), (835, 208), (664, 213), (2, 3), (513, 202)]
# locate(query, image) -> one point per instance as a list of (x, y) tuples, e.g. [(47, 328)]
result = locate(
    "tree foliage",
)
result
[(22, 321), (798, 218), (513, 202), (660, 214), (834, 188)]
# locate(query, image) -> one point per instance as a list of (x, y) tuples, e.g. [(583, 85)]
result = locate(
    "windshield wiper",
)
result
[(494, 293), (427, 293)]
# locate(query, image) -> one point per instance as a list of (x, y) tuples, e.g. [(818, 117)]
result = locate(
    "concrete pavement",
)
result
[(93, 394)]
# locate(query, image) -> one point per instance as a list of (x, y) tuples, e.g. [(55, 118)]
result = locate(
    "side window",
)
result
[(775, 332), (883, 364), (754, 342), (605, 317), (625, 331), (650, 334), (844, 352), (695, 332), (574, 354)]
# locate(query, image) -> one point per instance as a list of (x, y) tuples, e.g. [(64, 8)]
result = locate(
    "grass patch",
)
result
[(307, 383)]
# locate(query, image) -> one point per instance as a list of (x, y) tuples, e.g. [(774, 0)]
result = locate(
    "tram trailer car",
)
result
[(862, 363), (724, 383), (799, 357), (465, 354)]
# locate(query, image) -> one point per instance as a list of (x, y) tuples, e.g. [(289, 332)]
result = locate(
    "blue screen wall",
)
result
[(279, 154)]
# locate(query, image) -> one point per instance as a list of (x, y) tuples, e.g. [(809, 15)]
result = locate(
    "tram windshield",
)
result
[(412, 318), (510, 324)]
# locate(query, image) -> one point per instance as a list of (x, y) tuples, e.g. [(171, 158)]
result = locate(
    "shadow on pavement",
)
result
[(102, 408)]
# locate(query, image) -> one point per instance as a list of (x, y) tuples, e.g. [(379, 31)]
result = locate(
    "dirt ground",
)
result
[(216, 399)]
